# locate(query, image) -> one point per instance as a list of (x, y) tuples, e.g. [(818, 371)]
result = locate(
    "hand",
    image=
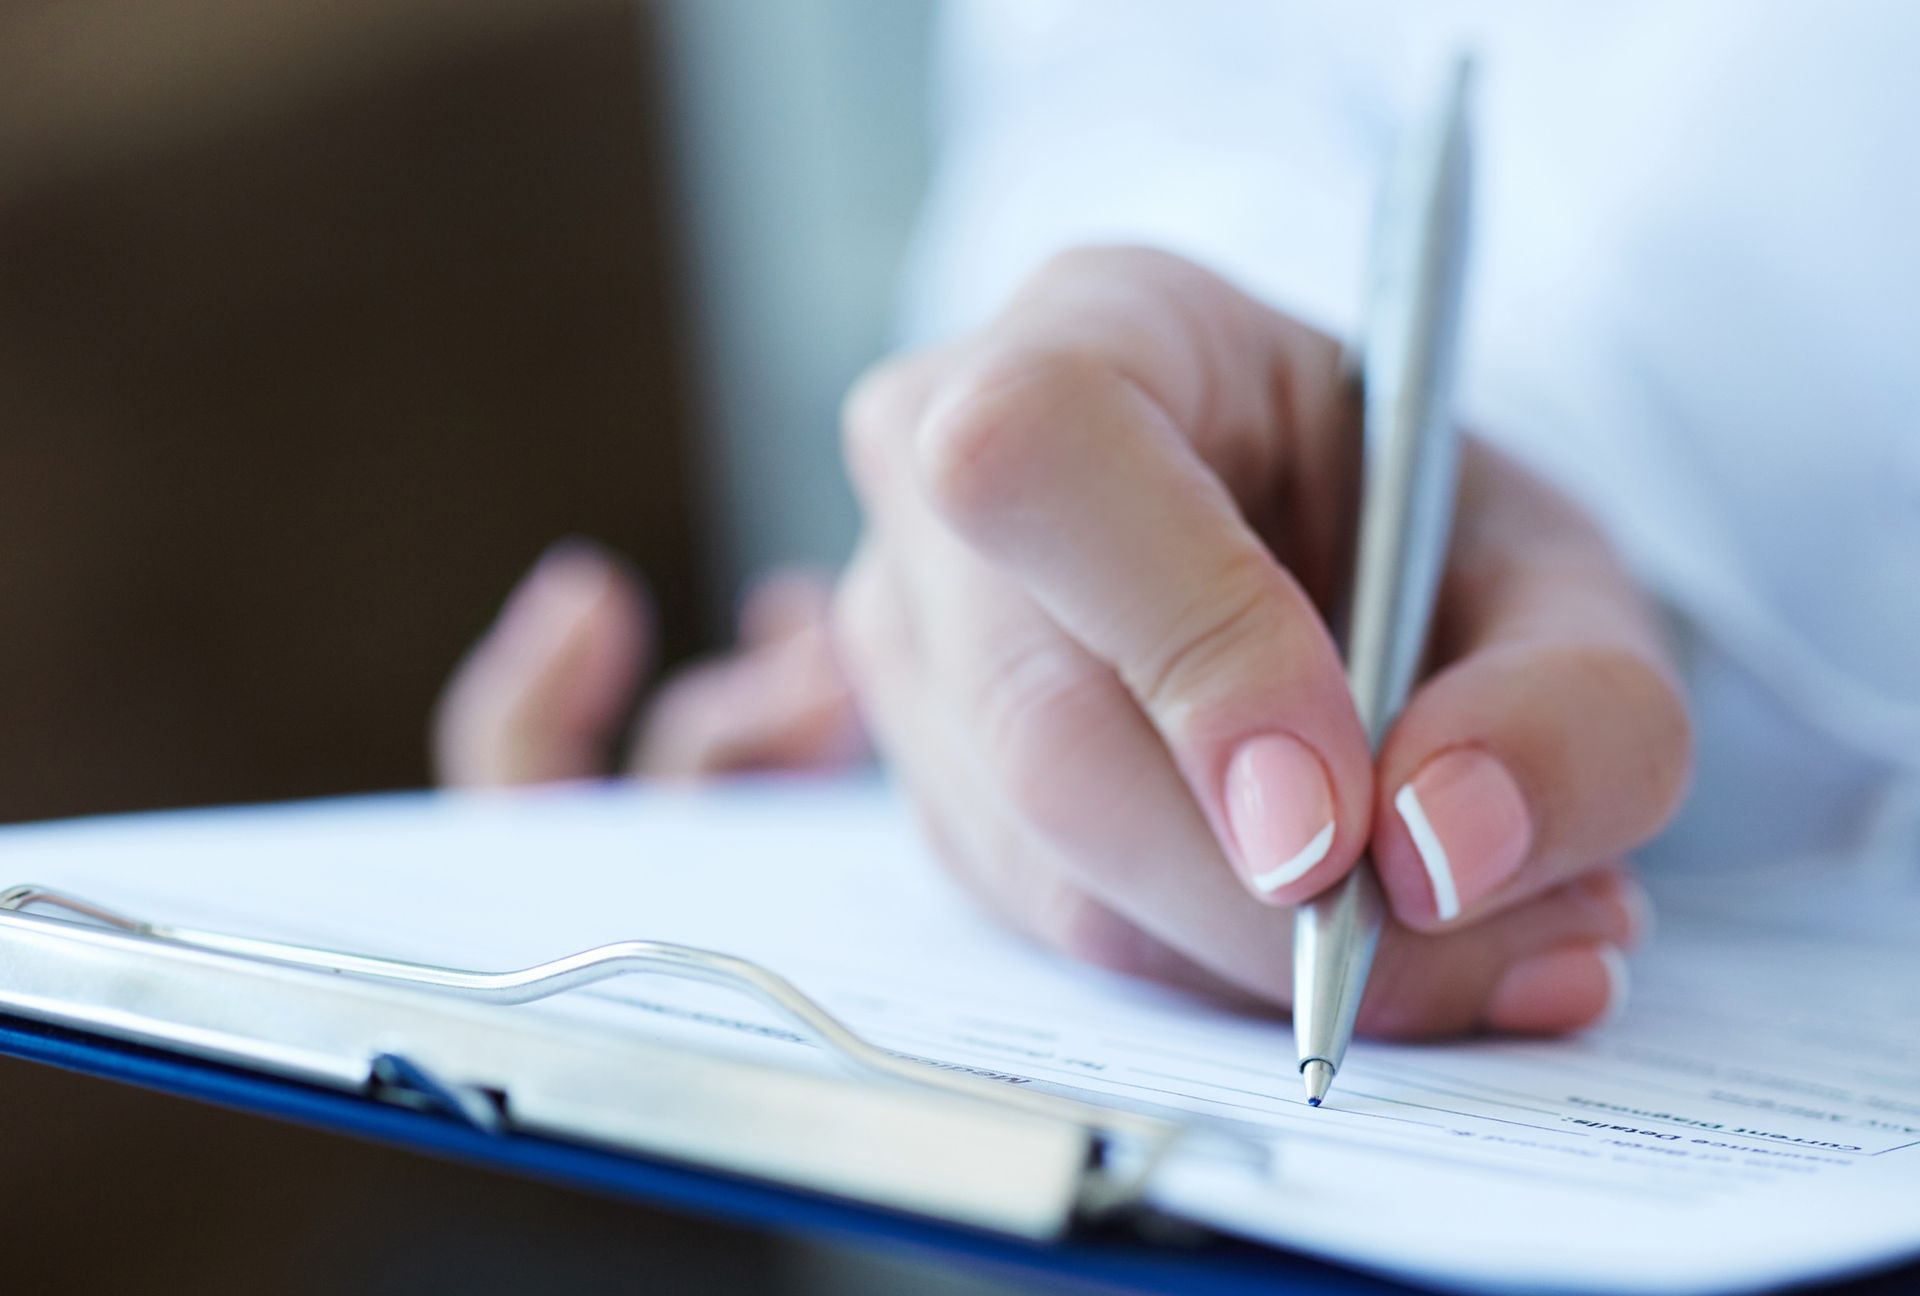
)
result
[(1084, 621), (544, 694)]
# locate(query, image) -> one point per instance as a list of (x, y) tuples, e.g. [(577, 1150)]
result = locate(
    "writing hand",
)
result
[(1085, 624)]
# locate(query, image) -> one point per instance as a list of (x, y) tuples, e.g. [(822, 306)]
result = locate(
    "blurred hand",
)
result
[(546, 693), (1085, 624)]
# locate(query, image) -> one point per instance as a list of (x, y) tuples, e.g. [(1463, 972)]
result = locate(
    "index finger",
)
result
[(1091, 451)]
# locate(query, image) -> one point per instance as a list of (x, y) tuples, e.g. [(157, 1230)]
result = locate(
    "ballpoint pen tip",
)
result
[(1317, 1075), (1313, 1102)]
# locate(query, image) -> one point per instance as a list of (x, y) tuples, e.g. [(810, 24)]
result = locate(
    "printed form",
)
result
[(1754, 1119)]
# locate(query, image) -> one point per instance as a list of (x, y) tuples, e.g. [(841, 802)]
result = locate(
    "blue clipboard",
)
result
[(1206, 1267), (388, 1052), (249, 1025)]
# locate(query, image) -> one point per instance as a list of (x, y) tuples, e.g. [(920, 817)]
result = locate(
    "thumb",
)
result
[(1555, 735), (542, 694)]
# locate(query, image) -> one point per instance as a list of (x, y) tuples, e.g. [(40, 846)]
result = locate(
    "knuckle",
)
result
[(1204, 642), (978, 447), (1668, 725), (1655, 724)]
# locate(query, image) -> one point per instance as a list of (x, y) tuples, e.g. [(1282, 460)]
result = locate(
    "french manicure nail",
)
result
[(1280, 811), (1629, 902), (1469, 824), (1566, 989)]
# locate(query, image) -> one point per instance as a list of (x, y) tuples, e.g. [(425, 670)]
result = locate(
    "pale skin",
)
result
[(1084, 629)]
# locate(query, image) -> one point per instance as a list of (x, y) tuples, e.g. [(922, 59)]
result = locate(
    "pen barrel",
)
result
[(1410, 441), (1411, 453), (1339, 930)]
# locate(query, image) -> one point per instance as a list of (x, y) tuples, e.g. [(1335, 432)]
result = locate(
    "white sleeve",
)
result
[(1656, 216), (1245, 136)]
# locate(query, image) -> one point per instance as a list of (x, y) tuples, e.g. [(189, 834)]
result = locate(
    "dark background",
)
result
[(317, 323), (319, 319)]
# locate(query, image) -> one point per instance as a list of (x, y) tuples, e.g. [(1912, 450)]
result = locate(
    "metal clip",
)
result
[(1123, 1131)]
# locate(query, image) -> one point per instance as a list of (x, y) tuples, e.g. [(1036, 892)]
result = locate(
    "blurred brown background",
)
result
[(318, 320)]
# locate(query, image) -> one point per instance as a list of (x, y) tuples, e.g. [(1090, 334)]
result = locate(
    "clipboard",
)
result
[(102, 994), (891, 1151)]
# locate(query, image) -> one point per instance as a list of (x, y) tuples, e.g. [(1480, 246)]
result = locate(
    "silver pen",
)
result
[(1410, 339)]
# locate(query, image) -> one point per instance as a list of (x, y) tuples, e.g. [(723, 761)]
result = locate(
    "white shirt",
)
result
[(1695, 301)]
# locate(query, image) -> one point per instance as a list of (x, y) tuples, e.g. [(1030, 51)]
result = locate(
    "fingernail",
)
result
[(571, 571), (563, 585), (1469, 824), (1280, 811), (1631, 907), (1561, 990)]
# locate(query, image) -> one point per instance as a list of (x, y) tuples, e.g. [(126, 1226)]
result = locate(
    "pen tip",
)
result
[(1317, 1075)]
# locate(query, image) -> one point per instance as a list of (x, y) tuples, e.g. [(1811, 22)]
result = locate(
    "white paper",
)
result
[(1754, 1120)]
